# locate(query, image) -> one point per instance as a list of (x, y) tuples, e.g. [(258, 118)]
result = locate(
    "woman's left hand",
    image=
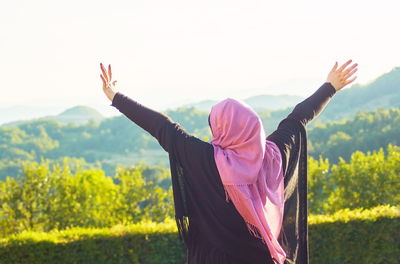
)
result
[(108, 85), (340, 77)]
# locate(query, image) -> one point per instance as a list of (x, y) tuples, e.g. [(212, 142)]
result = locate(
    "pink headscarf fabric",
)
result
[(250, 168)]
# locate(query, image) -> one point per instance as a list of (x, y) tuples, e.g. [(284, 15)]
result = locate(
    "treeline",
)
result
[(106, 143), (365, 132), (119, 141), (45, 197)]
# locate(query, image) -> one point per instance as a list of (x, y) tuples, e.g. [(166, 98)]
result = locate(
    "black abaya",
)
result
[(212, 229)]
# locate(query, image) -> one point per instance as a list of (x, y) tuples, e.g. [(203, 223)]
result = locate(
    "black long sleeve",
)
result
[(152, 121), (304, 112), (310, 108), (170, 135)]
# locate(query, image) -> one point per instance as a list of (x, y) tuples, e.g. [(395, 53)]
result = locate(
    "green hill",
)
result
[(78, 114), (381, 93), (366, 132)]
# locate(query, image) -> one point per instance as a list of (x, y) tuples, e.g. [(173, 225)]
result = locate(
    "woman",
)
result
[(265, 178)]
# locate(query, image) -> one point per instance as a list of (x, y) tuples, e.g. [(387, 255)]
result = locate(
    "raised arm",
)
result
[(310, 108), (171, 136), (157, 124)]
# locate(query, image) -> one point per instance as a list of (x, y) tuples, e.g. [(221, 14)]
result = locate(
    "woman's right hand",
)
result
[(339, 77), (108, 86)]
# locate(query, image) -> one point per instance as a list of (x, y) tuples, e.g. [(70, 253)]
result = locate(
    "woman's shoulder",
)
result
[(191, 149)]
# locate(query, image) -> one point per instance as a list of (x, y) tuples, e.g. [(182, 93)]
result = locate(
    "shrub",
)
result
[(348, 236)]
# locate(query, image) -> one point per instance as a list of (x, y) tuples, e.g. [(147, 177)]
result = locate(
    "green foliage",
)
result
[(145, 242), (271, 119), (339, 238), (142, 198), (9, 167), (49, 195), (193, 120), (366, 132), (44, 198), (318, 189), (359, 214), (115, 139), (357, 236), (367, 180)]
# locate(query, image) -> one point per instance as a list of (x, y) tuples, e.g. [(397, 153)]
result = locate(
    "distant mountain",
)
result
[(367, 131), (381, 93), (32, 109), (8, 115), (77, 114), (258, 102)]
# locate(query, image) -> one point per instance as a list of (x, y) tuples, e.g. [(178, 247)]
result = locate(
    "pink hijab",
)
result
[(250, 168)]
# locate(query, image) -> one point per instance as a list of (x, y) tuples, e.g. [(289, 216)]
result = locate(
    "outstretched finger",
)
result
[(104, 71), (347, 75), (104, 81), (344, 65), (350, 81), (334, 67), (109, 71), (350, 68)]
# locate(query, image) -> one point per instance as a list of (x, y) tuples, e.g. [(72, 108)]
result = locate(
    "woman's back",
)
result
[(215, 225)]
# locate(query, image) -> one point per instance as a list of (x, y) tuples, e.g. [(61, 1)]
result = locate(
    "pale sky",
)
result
[(164, 52)]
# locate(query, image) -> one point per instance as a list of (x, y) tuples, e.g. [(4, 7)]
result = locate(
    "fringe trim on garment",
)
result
[(234, 195), (183, 228)]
